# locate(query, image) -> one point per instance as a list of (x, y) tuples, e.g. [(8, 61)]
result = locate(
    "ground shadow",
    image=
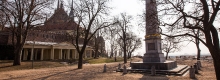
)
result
[(6, 66), (43, 78)]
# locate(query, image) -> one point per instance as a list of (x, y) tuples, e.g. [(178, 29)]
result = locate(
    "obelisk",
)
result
[(152, 37), (153, 56)]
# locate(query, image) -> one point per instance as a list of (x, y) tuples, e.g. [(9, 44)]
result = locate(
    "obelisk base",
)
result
[(167, 65), (154, 57)]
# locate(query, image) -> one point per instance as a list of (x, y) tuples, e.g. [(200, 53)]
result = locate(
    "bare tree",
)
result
[(22, 15), (190, 15), (89, 17), (3, 19), (132, 42), (113, 40), (170, 45), (197, 42), (99, 47), (123, 27)]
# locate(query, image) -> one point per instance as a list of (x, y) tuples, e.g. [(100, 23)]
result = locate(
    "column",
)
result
[(52, 54), (32, 54), (25, 54), (42, 54), (68, 54), (35, 54), (73, 54), (76, 56), (60, 54)]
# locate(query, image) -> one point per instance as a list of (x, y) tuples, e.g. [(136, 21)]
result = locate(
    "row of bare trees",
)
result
[(90, 16), (196, 19), (23, 15), (122, 39)]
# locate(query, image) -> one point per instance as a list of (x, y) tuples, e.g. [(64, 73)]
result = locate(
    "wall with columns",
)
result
[(55, 54)]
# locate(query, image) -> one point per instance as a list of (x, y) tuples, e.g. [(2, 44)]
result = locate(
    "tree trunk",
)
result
[(166, 56), (129, 55), (111, 55), (17, 57), (125, 58), (125, 55), (217, 67), (96, 53), (198, 49), (80, 60), (198, 53)]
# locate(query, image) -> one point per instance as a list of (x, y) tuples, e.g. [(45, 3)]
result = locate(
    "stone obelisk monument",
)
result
[(153, 56), (152, 37)]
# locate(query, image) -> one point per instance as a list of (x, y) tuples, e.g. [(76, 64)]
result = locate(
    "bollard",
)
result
[(153, 71), (119, 66), (125, 70), (104, 70), (198, 65), (192, 73), (196, 68)]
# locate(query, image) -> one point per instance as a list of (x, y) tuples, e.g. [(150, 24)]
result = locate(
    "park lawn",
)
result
[(7, 65)]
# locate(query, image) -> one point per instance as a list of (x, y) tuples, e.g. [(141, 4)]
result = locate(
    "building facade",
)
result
[(50, 41)]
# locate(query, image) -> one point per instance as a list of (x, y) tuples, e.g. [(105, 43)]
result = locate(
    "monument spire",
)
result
[(58, 4), (71, 14), (61, 5), (152, 23), (152, 37), (153, 58), (72, 5)]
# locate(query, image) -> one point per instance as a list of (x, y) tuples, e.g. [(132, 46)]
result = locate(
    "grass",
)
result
[(103, 60), (6, 65)]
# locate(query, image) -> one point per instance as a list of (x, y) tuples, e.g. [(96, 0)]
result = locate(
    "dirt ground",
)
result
[(95, 72)]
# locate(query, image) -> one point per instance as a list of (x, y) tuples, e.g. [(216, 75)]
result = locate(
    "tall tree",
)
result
[(123, 27), (22, 15), (89, 15), (197, 42), (190, 15)]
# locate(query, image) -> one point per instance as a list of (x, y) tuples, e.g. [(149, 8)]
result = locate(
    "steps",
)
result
[(178, 71)]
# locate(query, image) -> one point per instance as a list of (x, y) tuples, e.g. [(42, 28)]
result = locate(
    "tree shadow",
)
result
[(6, 66), (46, 77)]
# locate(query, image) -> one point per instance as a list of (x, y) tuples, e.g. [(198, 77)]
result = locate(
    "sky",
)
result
[(135, 8)]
